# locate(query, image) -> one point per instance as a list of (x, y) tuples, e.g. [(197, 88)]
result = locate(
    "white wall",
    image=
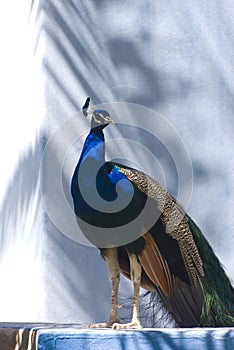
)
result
[(22, 112), (174, 58)]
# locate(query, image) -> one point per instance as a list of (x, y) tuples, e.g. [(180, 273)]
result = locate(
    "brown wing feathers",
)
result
[(156, 266)]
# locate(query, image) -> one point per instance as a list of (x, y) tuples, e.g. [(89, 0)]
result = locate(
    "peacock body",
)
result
[(168, 254)]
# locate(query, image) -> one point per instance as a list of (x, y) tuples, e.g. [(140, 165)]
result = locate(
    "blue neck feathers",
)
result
[(92, 157), (94, 146)]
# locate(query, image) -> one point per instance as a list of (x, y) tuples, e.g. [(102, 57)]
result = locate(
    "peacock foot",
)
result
[(131, 325), (108, 324)]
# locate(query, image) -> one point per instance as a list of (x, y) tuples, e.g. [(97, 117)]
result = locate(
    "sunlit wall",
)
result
[(22, 113)]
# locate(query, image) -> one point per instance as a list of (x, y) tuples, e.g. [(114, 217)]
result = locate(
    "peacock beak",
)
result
[(109, 120)]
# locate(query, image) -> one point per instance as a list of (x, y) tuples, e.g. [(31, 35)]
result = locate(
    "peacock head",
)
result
[(100, 117)]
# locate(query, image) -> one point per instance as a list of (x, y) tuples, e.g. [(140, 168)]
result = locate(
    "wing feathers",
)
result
[(125, 270), (155, 266)]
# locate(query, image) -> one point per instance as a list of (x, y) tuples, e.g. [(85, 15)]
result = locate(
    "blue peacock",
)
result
[(168, 254)]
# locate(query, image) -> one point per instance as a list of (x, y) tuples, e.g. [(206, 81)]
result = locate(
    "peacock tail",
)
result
[(218, 306)]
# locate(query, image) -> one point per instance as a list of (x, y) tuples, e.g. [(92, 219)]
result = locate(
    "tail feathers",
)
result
[(184, 304), (218, 307), (216, 313)]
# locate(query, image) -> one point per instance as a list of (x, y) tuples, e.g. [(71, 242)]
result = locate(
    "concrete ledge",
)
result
[(74, 337)]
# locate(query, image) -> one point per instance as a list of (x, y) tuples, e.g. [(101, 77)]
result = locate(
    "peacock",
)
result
[(163, 251)]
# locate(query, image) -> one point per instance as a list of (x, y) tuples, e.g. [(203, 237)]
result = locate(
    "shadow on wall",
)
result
[(21, 227), (21, 207), (99, 63)]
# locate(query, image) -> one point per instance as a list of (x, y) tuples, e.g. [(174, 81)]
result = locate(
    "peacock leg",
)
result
[(111, 257), (136, 279)]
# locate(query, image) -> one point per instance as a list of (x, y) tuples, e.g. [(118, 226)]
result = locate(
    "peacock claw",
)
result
[(99, 325), (131, 325), (108, 324)]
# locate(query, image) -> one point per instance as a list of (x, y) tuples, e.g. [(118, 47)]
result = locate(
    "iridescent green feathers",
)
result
[(218, 307)]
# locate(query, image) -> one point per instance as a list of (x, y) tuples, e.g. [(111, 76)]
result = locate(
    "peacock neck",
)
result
[(94, 147), (91, 159)]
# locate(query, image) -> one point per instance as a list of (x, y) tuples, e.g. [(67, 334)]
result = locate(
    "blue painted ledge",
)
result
[(73, 337)]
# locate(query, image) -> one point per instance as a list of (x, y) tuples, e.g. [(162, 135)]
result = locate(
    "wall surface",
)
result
[(175, 59), (22, 114)]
